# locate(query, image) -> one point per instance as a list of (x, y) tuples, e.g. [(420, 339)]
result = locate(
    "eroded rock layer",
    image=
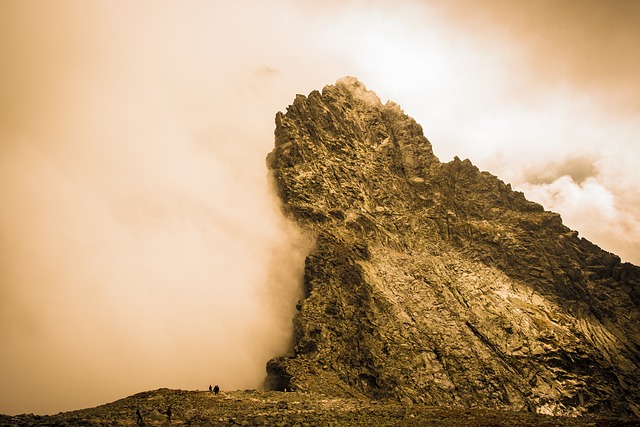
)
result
[(437, 283)]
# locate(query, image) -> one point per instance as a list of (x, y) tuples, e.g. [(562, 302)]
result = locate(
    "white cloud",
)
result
[(592, 209)]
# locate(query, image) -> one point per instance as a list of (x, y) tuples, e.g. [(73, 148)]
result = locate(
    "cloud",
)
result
[(135, 264), (591, 46), (578, 169), (593, 207), (144, 248)]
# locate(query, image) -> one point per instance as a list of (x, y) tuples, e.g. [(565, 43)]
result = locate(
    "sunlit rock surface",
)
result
[(436, 283)]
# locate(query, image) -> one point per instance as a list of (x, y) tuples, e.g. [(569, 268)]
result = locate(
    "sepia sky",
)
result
[(140, 245)]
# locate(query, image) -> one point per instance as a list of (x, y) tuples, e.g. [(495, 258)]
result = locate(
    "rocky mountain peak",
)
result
[(435, 282)]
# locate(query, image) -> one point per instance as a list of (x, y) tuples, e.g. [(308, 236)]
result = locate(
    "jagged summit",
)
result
[(435, 282)]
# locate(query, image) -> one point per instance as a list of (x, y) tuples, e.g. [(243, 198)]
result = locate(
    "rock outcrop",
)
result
[(436, 283)]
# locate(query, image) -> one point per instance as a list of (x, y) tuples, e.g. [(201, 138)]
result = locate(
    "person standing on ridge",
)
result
[(216, 389)]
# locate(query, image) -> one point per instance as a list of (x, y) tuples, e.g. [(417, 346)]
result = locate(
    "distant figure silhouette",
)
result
[(210, 388), (139, 418), (216, 389), (169, 414)]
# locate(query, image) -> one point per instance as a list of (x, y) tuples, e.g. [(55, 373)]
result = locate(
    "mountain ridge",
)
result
[(436, 283), (434, 294)]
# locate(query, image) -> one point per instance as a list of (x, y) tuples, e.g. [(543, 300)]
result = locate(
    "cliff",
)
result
[(436, 283)]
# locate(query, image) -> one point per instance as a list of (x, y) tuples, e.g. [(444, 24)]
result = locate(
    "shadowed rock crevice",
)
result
[(437, 283)]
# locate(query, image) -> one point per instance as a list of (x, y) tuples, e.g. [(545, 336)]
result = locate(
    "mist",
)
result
[(141, 244)]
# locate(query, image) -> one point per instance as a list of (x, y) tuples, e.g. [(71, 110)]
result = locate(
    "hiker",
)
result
[(139, 418), (216, 389), (169, 414), (210, 388)]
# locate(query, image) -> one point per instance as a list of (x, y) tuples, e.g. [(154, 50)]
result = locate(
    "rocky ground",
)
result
[(280, 409)]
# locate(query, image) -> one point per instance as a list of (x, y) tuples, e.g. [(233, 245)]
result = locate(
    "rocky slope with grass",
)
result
[(436, 283)]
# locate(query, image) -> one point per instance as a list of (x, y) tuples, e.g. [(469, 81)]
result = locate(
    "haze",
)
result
[(141, 246)]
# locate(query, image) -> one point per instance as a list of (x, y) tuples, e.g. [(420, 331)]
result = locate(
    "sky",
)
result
[(141, 244)]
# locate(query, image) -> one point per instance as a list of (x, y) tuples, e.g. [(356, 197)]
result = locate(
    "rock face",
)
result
[(436, 283)]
